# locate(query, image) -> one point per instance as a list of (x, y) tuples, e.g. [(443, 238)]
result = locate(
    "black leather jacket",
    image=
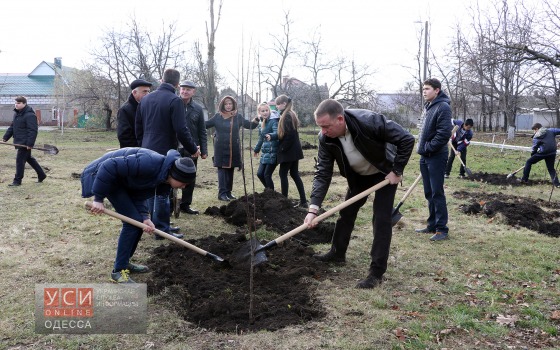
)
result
[(382, 142)]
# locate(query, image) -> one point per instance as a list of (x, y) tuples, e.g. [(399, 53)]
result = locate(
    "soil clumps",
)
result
[(276, 212), (517, 211), (217, 296)]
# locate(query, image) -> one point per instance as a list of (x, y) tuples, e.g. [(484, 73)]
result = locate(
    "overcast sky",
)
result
[(382, 34)]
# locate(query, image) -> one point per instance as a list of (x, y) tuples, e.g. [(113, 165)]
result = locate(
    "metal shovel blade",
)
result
[(50, 149), (250, 249), (469, 172), (396, 217)]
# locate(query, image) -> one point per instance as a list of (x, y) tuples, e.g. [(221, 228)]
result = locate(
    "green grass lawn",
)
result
[(490, 286)]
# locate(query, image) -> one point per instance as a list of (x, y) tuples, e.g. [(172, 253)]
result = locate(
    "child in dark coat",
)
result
[(267, 145)]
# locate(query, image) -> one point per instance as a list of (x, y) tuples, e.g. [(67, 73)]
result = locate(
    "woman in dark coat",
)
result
[(227, 146), (289, 148)]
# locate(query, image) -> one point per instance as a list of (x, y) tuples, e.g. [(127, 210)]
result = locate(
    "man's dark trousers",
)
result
[(381, 220)]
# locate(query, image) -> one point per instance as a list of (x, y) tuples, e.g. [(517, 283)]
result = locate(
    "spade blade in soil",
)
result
[(244, 254), (396, 217), (469, 172)]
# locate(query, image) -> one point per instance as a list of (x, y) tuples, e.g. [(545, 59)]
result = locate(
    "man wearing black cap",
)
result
[(127, 178), (127, 113), (195, 123)]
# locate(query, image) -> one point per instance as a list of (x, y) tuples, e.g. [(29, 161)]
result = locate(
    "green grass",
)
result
[(441, 295)]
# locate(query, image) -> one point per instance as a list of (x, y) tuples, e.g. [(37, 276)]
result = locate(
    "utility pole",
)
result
[(426, 51)]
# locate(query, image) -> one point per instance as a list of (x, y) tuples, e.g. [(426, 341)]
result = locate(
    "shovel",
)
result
[(162, 234), (175, 203), (515, 172), (397, 216), (322, 216), (469, 172), (50, 149)]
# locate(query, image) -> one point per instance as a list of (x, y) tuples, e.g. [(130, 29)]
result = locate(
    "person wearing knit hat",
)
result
[(128, 177), (183, 170)]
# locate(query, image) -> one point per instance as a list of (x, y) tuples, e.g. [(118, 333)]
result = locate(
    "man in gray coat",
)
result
[(195, 123)]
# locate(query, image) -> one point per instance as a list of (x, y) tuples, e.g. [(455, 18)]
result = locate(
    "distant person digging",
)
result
[(544, 148), (127, 178), (460, 140)]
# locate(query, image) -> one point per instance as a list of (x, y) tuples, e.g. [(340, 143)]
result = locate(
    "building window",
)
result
[(54, 114)]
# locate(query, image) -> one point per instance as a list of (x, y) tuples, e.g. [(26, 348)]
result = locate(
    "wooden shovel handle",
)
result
[(332, 211), (159, 232), (411, 188), (518, 170), (454, 150)]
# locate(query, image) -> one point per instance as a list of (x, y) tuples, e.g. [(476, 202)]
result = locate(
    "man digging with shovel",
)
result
[(127, 178), (368, 149)]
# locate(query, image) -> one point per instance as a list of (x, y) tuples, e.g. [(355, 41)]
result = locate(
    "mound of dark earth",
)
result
[(517, 211), (217, 296), (276, 212), (502, 180), (306, 145)]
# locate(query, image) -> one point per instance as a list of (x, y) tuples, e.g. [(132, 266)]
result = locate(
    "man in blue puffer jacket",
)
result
[(544, 147), (127, 178), (435, 131)]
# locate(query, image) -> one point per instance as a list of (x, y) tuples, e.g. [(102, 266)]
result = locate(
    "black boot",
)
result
[(370, 282), (331, 256)]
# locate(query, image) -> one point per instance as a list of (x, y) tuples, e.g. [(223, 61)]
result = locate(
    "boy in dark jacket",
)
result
[(24, 129), (544, 147), (368, 149), (460, 140), (433, 137), (127, 178)]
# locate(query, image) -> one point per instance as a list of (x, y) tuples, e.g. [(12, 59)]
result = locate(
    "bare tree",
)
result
[(282, 48), (316, 63), (134, 53), (211, 29)]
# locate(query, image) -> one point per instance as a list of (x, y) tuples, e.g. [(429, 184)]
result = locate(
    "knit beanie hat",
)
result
[(183, 170)]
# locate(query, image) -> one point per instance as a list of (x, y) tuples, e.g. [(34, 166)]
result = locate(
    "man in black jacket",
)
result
[(127, 113), (24, 129), (368, 148), (160, 124), (195, 123), (433, 137)]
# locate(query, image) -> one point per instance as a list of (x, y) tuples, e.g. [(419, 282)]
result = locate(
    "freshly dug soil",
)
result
[(276, 212), (518, 211), (217, 296), (501, 179)]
